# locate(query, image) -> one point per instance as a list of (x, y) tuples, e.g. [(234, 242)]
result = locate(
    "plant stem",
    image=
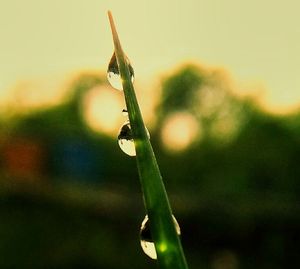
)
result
[(167, 243)]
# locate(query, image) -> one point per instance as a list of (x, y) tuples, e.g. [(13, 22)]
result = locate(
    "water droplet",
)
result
[(146, 240), (125, 112), (125, 140), (113, 74)]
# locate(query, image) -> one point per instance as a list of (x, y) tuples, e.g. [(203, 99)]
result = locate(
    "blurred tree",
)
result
[(180, 90), (234, 183)]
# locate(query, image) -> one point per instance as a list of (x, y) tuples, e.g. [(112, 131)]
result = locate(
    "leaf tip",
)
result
[(109, 13)]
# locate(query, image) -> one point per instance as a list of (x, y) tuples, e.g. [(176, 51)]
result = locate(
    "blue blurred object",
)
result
[(77, 159)]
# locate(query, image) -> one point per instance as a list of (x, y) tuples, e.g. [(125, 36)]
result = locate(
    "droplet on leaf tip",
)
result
[(113, 73)]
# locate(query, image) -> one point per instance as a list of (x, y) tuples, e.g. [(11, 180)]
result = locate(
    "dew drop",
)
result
[(146, 240), (113, 74), (125, 112), (125, 140)]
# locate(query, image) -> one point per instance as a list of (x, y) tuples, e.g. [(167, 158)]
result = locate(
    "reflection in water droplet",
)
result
[(146, 240), (125, 112), (113, 74), (125, 140)]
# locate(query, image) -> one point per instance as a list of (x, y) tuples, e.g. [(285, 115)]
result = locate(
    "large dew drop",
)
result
[(125, 140), (113, 74), (146, 240)]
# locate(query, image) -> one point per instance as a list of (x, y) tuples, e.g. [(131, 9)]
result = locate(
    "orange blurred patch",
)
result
[(23, 158)]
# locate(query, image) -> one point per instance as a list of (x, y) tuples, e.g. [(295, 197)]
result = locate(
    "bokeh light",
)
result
[(179, 131), (102, 109)]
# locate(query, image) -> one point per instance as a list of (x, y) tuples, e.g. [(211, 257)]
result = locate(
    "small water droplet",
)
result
[(125, 140), (146, 240), (125, 112), (113, 74)]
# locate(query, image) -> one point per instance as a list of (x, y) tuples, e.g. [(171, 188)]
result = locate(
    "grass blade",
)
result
[(167, 243)]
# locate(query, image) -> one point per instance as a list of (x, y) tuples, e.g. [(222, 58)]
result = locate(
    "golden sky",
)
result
[(257, 41)]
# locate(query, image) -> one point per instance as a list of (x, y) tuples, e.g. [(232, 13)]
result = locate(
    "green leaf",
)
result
[(167, 243)]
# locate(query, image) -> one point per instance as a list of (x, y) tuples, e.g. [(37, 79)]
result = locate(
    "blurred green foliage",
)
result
[(234, 191)]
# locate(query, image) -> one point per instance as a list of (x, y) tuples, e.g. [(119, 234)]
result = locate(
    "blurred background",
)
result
[(217, 85)]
